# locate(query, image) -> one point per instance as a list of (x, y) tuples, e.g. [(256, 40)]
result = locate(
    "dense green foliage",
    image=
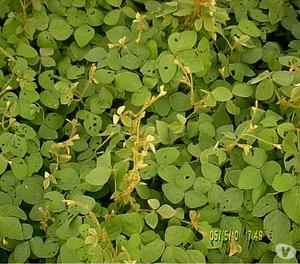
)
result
[(149, 131)]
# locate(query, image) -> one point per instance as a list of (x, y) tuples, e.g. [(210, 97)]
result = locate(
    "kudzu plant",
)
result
[(143, 131)]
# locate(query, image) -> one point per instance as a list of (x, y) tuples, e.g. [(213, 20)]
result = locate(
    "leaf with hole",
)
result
[(265, 205), (166, 67), (231, 200), (257, 157), (182, 40), (83, 35)]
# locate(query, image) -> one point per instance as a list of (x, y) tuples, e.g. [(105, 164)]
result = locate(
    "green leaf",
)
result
[(140, 97), (94, 17), (3, 165), (154, 203), (104, 76), (49, 99), (60, 29), (175, 255), (130, 61), (166, 211), (193, 60), (222, 94), (177, 235), (41, 249), (180, 102), (167, 155), (206, 128), (55, 202), (95, 54), (98, 176), (128, 81), (151, 219), (131, 223), (264, 90), (10, 227), (211, 172), (257, 157), (270, 170), (250, 178), (186, 176), (277, 226), (242, 90), (112, 17), (166, 67), (22, 252), (249, 28), (152, 251), (168, 172), (115, 3), (165, 133), (93, 124), (283, 78), (231, 200), (196, 256), (276, 12), (19, 168), (26, 51), (194, 199), (30, 192), (291, 204), (173, 192), (253, 55), (284, 182), (67, 179), (182, 41), (75, 243), (83, 35), (265, 205)]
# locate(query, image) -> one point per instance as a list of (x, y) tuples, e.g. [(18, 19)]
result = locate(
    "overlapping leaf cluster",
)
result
[(135, 130)]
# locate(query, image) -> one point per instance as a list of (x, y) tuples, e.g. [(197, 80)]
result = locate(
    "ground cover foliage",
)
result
[(149, 131)]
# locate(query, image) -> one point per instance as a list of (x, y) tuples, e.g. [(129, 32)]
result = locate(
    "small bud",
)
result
[(122, 41), (187, 69), (152, 147), (162, 92), (95, 81), (111, 46), (47, 174), (278, 146), (177, 62), (76, 137), (121, 109), (150, 138), (69, 202), (116, 119)]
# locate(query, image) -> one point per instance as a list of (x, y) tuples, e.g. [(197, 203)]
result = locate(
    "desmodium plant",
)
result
[(139, 131)]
